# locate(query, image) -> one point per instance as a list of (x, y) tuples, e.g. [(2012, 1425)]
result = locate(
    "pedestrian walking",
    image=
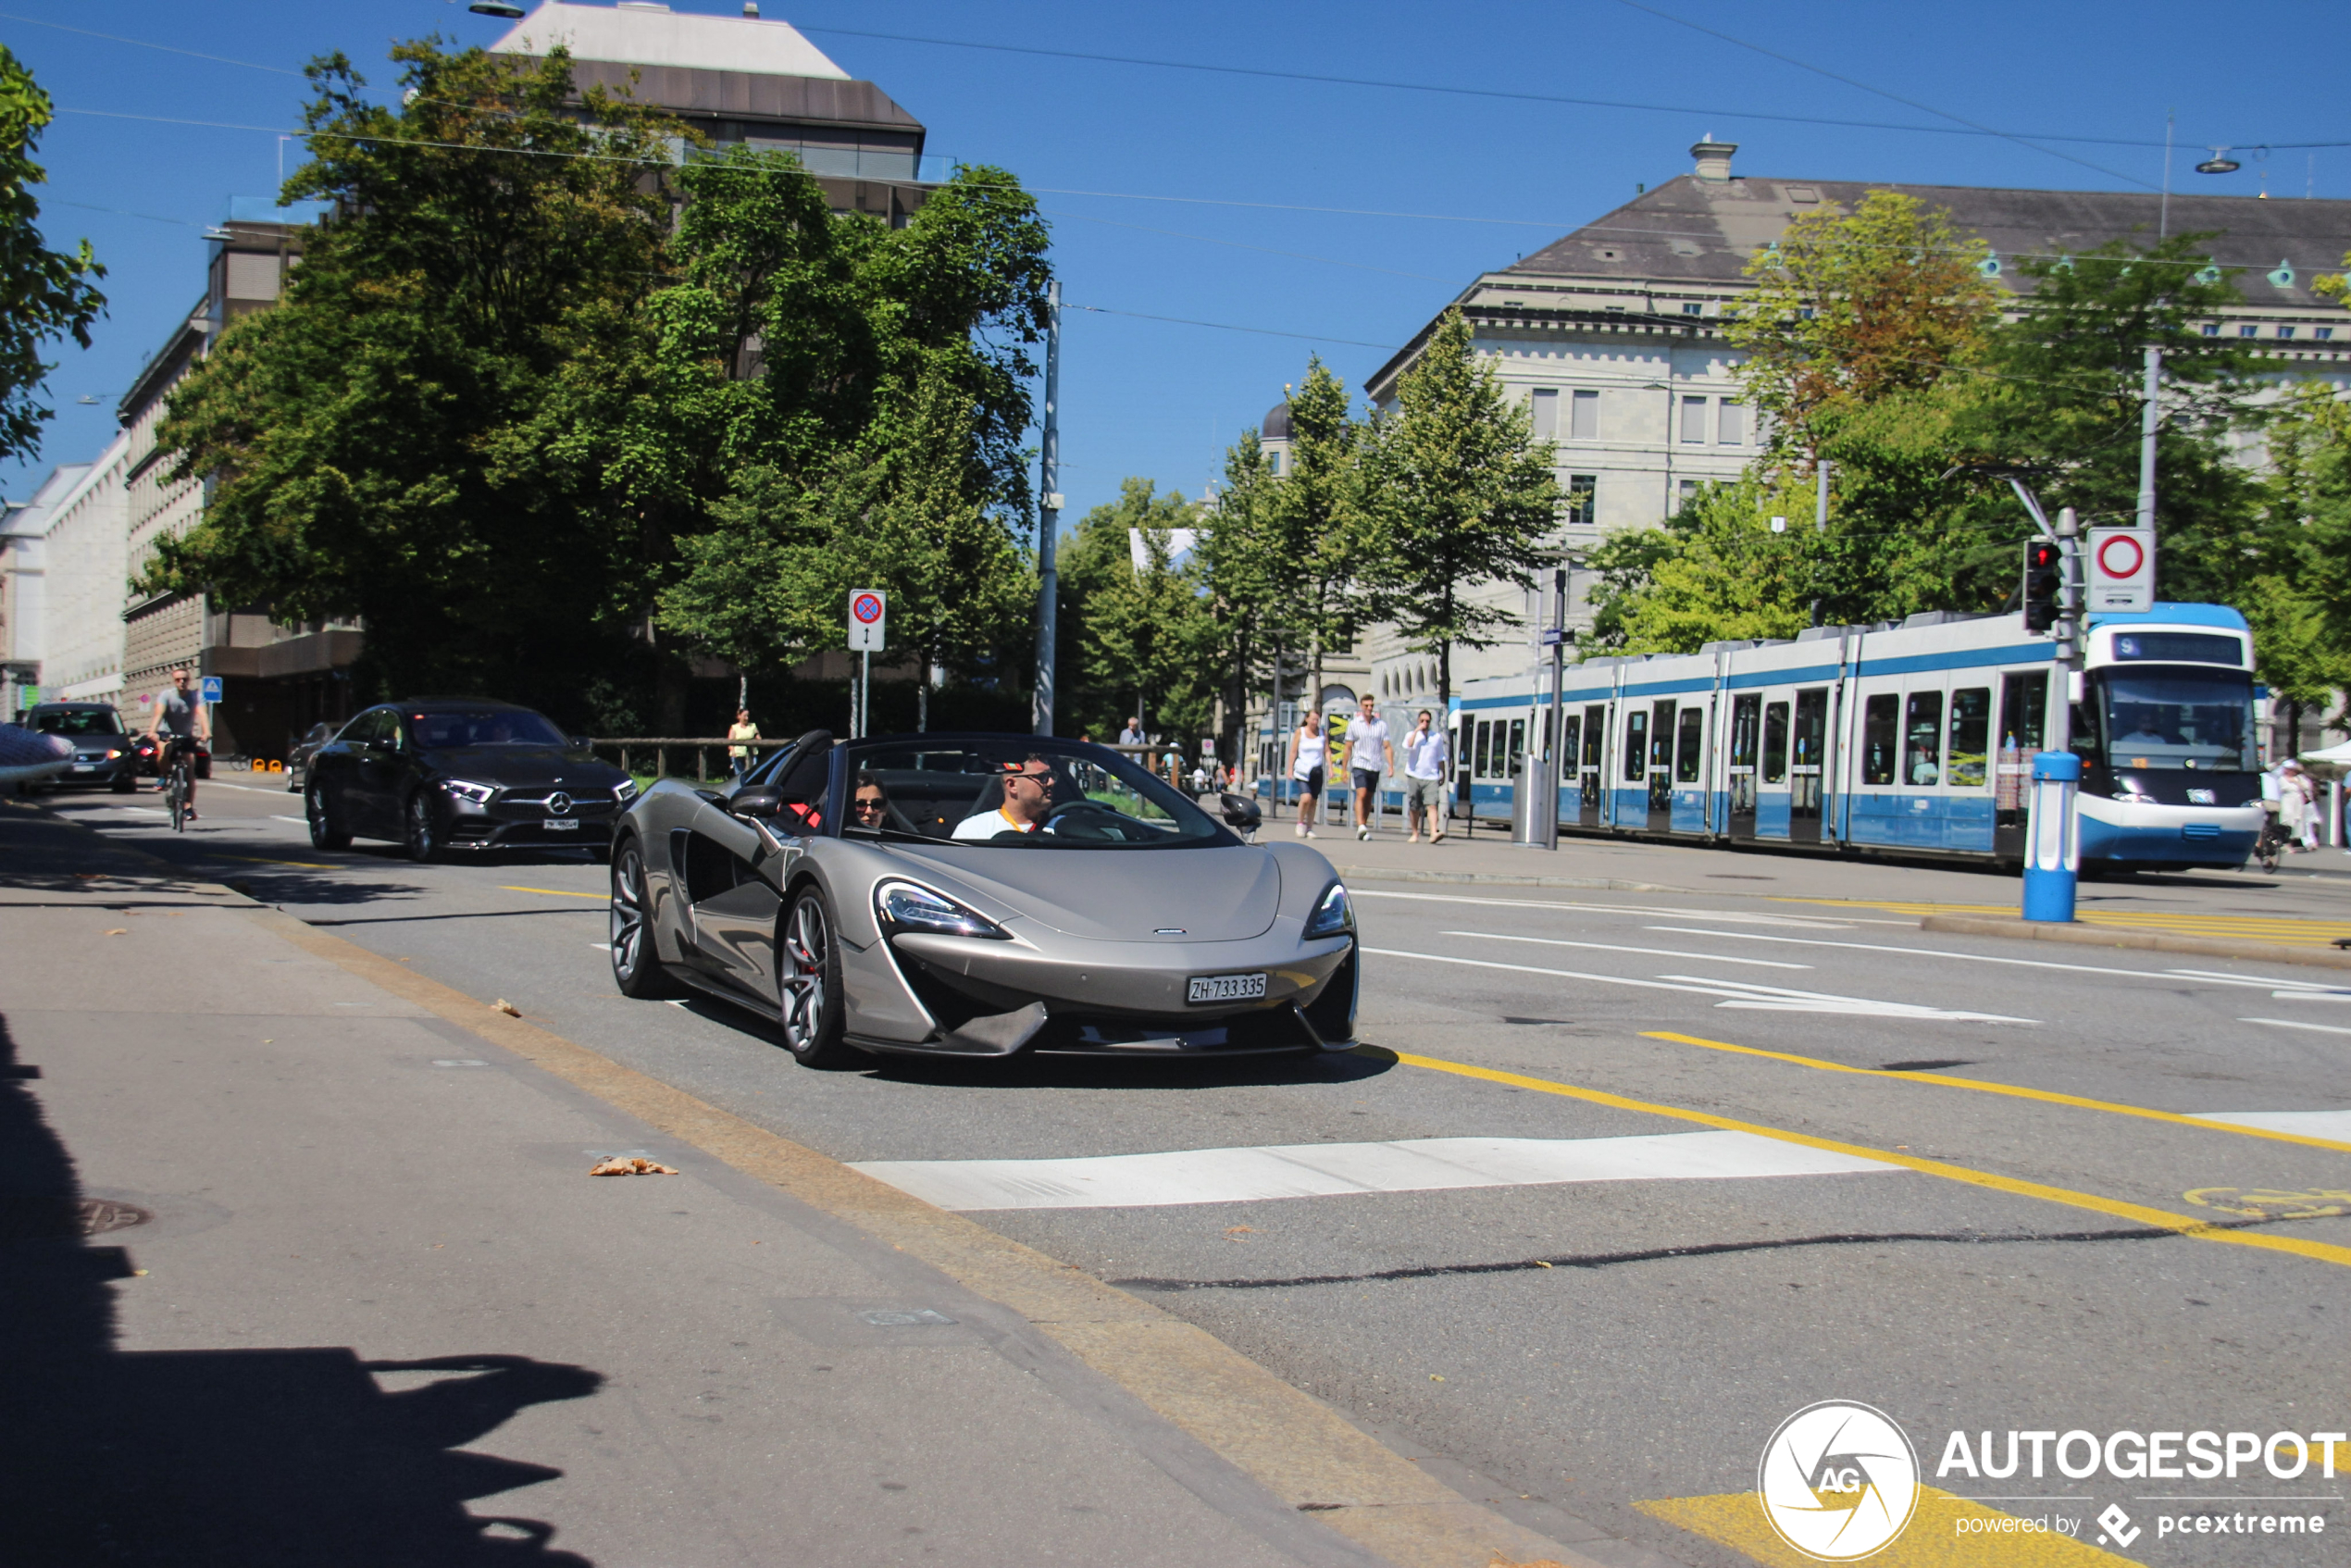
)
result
[(741, 731), (2297, 805), (1306, 769), (1425, 761), (1370, 754)]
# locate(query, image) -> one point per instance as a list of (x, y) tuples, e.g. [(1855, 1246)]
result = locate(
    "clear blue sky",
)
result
[(1163, 401)]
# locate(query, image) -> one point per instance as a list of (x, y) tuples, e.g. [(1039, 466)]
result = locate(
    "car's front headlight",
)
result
[(465, 790), (1334, 915), (624, 791), (905, 906)]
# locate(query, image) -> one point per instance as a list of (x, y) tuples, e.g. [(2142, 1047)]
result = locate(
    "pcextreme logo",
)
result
[(1839, 1481)]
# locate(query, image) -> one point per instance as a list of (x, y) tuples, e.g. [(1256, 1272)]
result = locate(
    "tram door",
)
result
[(2022, 728), (1746, 719), (1571, 746), (1807, 784), (1662, 767), (1587, 774)]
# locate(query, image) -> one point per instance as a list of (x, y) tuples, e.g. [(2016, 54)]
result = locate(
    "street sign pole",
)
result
[(1049, 513), (868, 630)]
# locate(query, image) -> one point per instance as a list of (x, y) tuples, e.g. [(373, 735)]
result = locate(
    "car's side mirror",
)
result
[(761, 801), (1242, 814)]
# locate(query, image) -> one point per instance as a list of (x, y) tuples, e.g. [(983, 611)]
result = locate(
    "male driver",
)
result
[(1028, 796), (179, 720), (1425, 781), (1369, 755)]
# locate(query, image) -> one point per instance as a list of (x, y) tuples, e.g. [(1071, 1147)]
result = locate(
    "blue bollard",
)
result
[(2052, 841)]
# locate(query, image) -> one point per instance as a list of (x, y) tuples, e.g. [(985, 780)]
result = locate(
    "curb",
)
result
[(1358, 873), (1295, 1446), (2108, 936)]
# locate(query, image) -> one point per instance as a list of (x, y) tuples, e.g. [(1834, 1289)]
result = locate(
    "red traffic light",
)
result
[(2040, 555)]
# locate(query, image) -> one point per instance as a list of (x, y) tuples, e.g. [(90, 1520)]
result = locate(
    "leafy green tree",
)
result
[(44, 295), (1134, 631), (1241, 576), (1459, 497), (1319, 541), (1848, 309), (359, 437), (1726, 574)]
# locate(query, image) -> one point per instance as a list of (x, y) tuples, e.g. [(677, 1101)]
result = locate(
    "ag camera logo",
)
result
[(1839, 1481)]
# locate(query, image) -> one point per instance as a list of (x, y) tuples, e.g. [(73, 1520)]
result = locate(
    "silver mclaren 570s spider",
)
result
[(981, 895)]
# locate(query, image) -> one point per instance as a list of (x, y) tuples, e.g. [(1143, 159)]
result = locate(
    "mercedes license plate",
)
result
[(1226, 987), (563, 824)]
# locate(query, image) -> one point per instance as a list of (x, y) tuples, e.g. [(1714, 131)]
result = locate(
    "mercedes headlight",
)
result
[(905, 906), (624, 791), (465, 790), (1334, 915)]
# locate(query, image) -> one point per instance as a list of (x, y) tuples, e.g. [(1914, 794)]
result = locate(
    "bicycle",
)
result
[(2271, 846), (178, 781)]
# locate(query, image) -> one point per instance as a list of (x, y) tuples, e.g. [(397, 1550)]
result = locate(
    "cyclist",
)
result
[(180, 722)]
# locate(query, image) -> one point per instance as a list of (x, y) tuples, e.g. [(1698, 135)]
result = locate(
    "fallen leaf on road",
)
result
[(632, 1164), (508, 1008), (119, 931)]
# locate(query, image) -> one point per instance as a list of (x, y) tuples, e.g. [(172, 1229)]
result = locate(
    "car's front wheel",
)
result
[(637, 967), (419, 834), (808, 983), (325, 833)]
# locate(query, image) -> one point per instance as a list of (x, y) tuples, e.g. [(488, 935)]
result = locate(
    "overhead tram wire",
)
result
[(1228, 327), (165, 48), (1236, 244)]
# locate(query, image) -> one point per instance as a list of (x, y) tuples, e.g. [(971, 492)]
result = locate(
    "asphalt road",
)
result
[(1589, 1327)]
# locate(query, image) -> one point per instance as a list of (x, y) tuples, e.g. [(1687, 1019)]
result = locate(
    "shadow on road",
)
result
[(257, 1458), (1138, 1072)]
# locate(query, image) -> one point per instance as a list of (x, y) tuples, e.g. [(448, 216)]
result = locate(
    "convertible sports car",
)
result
[(980, 895)]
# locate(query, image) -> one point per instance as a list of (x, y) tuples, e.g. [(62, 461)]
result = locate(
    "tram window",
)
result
[(1922, 740), (1775, 743), (1743, 714), (1965, 762), (1595, 735), (2024, 711), (1880, 718), (1688, 760), (1570, 736), (1636, 744), (1518, 743), (1661, 737), (1485, 737)]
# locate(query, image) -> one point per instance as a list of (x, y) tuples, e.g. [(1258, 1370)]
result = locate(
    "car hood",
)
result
[(518, 767), (1224, 894)]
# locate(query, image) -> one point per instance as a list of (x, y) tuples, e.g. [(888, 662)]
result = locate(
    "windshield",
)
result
[(491, 728), (2151, 717), (1019, 794), (80, 721)]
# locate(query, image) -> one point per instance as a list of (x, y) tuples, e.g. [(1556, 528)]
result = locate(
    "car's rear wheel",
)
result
[(325, 832), (419, 834), (808, 983), (637, 967)]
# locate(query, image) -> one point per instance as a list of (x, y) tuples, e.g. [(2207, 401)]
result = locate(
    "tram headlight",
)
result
[(2132, 797)]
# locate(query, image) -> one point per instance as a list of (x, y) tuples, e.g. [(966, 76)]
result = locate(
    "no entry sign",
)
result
[(869, 618)]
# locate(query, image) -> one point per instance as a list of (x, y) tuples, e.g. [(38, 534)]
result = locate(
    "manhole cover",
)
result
[(27, 1219)]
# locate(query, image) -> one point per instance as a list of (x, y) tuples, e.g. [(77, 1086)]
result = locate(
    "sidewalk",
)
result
[(302, 1272)]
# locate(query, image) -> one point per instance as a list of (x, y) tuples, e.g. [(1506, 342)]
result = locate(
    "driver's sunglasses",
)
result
[(1043, 780), (868, 805)]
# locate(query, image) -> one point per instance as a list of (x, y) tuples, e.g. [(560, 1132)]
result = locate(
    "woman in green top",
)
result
[(741, 729)]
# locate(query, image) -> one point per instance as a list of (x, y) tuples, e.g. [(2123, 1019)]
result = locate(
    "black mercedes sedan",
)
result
[(461, 774)]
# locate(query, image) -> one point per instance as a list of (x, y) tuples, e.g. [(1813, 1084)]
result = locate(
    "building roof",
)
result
[(1702, 232), (1277, 425), (29, 519), (637, 32)]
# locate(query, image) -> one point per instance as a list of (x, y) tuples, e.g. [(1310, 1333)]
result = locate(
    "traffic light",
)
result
[(2043, 578)]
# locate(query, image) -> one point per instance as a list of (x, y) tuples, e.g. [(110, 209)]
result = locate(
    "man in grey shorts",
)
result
[(1425, 781)]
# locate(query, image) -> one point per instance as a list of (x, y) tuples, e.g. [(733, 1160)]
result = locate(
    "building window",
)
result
[(1547, 413), (2212, 328), (1693, 310), (2249, 332), (1693, 421), (1274, 463), (1583, 500), (1584, 417), (2286, 332), (2325, 334), (1688, 489), (1731, 423)]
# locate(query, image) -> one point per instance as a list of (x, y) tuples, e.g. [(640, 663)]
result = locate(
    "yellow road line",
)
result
[(1932, 1540), (553, 892), (2260, 928), (2137, 1213), (2013, 1090)]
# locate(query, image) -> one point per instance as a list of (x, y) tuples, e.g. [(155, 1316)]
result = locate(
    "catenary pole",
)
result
[(1049, 511), (2148, 422)]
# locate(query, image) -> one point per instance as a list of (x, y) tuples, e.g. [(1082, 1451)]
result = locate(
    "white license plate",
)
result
[(563, 824), (1225, 988), (83, 766)]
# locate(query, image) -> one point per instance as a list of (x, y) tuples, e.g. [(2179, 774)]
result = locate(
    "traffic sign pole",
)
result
[(868, 630)]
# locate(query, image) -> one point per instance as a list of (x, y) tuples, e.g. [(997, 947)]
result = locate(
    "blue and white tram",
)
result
[(1914, 739)]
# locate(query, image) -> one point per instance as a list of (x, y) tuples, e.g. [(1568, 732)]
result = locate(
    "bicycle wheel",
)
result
[(176, 795)]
